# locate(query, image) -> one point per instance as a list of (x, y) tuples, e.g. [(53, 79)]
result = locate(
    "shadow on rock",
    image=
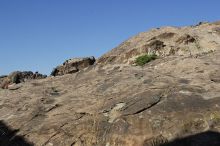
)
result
[(8, 137), (208, 138)]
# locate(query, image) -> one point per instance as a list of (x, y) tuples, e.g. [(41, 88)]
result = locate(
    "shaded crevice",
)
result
[(72, 144)]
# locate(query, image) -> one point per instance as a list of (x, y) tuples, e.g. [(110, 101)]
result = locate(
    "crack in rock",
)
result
[(149, 105), (55, 134)]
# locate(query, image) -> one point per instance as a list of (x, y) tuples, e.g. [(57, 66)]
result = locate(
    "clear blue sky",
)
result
[(38, 35)]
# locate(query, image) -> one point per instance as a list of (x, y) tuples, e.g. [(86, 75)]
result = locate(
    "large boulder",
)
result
[(73, 65), (18, 77)]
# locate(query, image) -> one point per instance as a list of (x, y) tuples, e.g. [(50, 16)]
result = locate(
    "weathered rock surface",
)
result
[(172, 97), (18, 77), (73, 65), (166, 41)]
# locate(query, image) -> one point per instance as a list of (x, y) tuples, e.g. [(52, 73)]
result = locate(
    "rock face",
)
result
[(73, 65), (166, 41), (18, 77), (171, 101)]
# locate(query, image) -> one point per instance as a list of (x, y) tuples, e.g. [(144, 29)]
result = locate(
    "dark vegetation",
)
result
[(142, 60)]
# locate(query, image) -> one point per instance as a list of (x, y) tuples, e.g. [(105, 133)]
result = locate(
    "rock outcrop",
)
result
[(19, 77), (171, 101), (73, 65), (166, 41)]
